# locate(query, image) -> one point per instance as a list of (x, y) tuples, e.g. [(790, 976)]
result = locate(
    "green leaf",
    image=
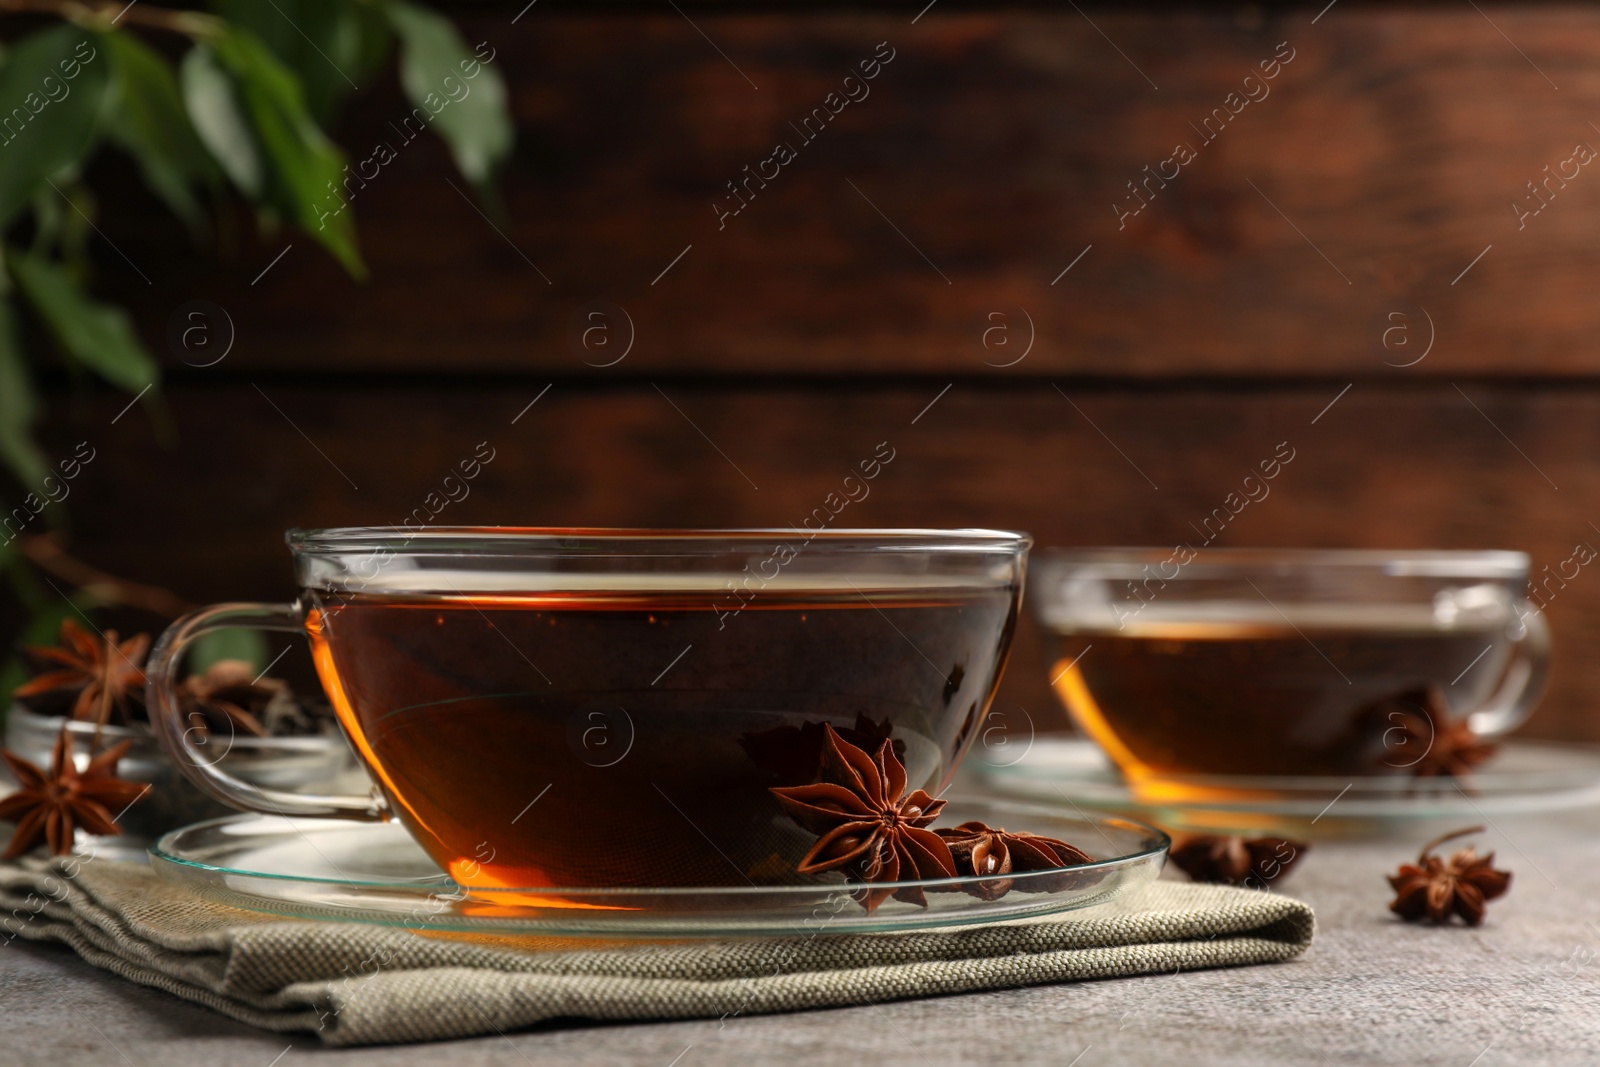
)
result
[(54, 85), (150, 124), (220, 120), (99, 336), (232, 643), (304, 168), (465, 96), (331, 45), (18, 408)]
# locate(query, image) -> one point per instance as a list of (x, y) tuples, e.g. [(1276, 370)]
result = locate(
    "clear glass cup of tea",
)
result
[(1185, 664), (611, 708)]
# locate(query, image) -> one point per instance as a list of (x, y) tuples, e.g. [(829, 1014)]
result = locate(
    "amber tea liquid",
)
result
[(1254, 693), (630, 738)]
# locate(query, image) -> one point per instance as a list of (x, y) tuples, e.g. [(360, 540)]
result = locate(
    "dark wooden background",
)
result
[(856, 290)]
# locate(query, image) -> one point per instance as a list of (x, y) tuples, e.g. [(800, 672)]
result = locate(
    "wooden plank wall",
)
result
[(961, 237)]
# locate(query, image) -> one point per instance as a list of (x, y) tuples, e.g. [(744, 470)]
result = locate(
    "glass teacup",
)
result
[(1266, 663), (583, 707)]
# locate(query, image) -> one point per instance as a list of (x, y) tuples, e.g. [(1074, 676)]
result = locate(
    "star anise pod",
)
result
[(50, 806), (229, 697), (983, 850), (1252, 862), (104, 678), (867, 825), (1433, 889), (1423, 736)]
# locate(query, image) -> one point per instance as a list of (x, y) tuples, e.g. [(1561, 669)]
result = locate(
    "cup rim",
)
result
[(636, 540), (1403, 562)]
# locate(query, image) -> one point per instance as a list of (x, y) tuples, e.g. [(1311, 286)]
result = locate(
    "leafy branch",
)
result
[(104, 14), (242, 114)]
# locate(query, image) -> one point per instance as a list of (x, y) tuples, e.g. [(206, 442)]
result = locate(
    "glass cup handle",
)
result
[(161, 694), (1524, 680)]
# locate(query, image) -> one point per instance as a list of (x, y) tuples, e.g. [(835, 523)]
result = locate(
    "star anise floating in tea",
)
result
[(870, 829), (867, 825), (52, 804), (1422, 735), (102, 677), (983, 850), (1434, 889), (1230, 860)]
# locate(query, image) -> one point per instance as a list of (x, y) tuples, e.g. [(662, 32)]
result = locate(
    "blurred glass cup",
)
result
[(1286, 662)]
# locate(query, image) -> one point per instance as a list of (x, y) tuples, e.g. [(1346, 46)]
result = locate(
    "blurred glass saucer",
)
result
[(1523, 778)]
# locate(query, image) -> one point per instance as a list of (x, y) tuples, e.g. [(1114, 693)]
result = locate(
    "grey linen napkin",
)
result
[(357, 984)]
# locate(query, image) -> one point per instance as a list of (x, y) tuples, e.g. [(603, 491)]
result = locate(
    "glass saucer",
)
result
[(1524, 777), (375, 873)]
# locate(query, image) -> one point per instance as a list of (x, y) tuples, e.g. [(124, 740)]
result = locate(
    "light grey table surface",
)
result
[(1522, 989)]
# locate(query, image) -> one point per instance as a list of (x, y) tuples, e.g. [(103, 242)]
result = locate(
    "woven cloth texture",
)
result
[(356, 984)]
